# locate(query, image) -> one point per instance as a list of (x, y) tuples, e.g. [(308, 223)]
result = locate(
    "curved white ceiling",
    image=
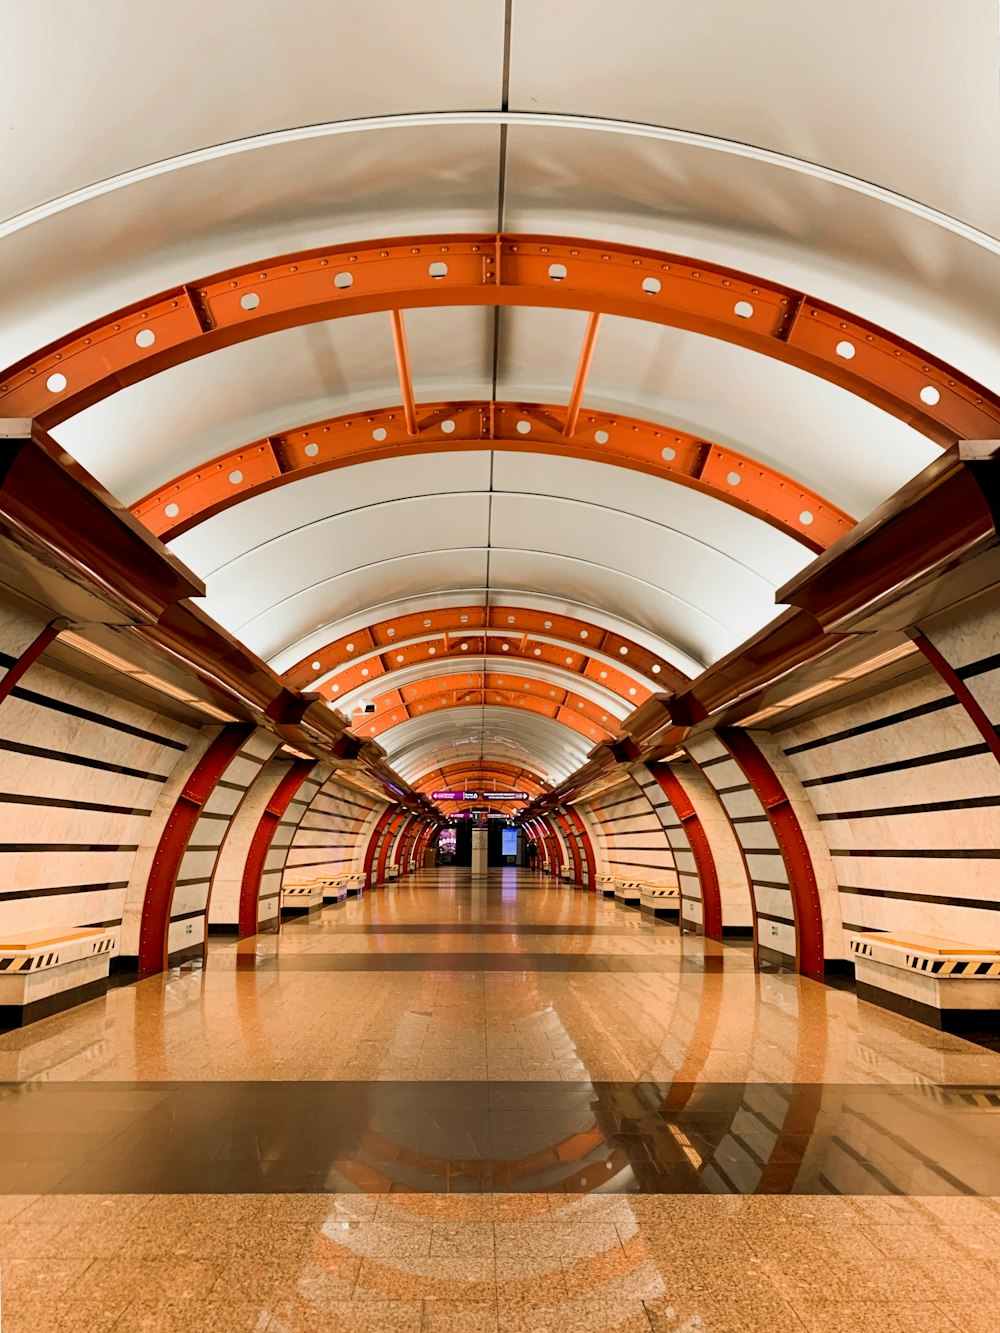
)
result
[(548, 748), (682, 564), (808, 143)]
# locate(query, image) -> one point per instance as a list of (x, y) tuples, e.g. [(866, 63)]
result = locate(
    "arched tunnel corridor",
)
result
[(499, 666)]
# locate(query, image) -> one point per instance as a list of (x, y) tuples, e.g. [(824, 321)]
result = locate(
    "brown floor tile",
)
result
[(876, 1317), (348, 1317), (460, 1317)]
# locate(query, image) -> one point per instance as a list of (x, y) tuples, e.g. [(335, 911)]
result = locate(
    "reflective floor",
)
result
[(514, 1106)]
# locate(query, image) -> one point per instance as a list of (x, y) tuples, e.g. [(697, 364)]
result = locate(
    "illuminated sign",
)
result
[(479, 796)]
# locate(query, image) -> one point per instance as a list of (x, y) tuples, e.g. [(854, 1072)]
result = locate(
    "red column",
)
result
[(708, 878), (388, 838), (374, 840), (586, 846), (263, 836), (555, 850), (792, 845), (174, 840), (574, 852)]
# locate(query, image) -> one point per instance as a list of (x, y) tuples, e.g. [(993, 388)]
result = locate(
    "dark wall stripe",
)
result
[(67, 847), (961, 853), (61, 891), (864, 728), (899, 765), (85, 715), (984, 905), (978, 668), (56, 756), (53, 802), (923, 808)]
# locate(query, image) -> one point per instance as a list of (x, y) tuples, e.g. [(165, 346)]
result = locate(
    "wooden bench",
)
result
[(335, 890), (355, 884), (43, 972), (301, 898), (949, 984), (628, 892), (661, 899)]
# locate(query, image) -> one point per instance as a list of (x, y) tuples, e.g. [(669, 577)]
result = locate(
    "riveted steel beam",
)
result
[(496, 269), (602, 437)]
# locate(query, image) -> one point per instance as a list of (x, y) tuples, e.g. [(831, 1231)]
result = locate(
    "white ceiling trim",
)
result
[(369, 124)]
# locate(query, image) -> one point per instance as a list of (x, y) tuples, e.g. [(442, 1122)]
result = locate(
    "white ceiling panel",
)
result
[(272, 630), (140, 76), (301, 504), (306, 559), (853, 85), (496, 596), (420, 744), (718, 589), (669, 615), (205, 407), (77, 264), (853, 454), (883, 257), (709, 521)]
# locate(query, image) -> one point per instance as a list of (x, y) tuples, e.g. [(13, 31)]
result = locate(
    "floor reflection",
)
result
[(537, 1137)]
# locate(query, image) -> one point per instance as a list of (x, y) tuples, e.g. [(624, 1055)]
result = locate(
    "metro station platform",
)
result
[(493, 1105)]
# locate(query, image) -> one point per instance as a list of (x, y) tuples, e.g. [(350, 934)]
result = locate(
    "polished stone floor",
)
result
[(505, 1107)]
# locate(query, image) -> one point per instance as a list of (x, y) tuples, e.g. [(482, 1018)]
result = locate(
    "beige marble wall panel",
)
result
[(332, 831), (966, 778), (18, 631), (734, 886), (635, 842), (969, 640), (80, 820), (914, 853), (23, 911), (227, 879), (185, 934), (813, 833)]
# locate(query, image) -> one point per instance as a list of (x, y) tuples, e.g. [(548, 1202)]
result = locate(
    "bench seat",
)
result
[(628, 892), (298, 899), (661, 899), (949, 984), (43, 972)]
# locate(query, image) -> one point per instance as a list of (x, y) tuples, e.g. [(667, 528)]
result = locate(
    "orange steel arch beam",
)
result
[(443, 693), (495, 269), (439, 634), (602, 437), (367, 677), (471, 771)]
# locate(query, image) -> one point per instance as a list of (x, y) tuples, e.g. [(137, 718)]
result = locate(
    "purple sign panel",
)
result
[(479, 795)]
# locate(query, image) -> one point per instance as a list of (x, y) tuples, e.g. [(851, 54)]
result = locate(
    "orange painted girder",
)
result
[(480, 689), (367, 727), (473, 775), (523, 629), (497, 270), (378, 669), (602, 437)]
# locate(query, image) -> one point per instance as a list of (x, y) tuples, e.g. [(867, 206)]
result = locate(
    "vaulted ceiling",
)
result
[(413, 446)]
